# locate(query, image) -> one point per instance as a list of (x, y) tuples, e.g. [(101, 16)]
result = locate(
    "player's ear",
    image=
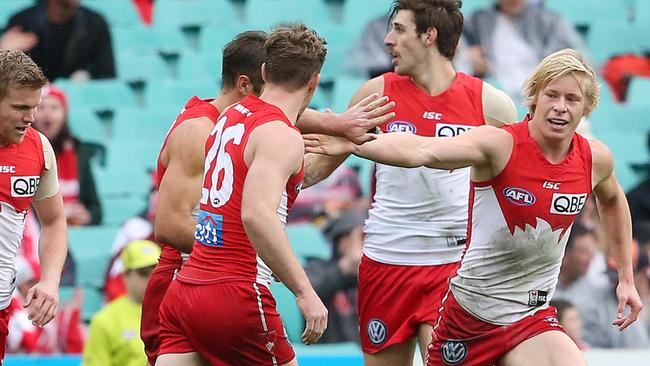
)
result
[(264, 71), (244, 85), (430, 36), (313, 83)]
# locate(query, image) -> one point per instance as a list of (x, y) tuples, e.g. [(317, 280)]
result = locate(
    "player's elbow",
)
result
[(164, 230)]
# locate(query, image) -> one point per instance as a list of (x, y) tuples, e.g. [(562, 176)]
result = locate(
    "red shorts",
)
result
[(459, 338), (394, 300), (4, 331), (160, 279), (230, 323)]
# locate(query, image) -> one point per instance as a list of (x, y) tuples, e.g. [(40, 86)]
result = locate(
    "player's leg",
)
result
[(180, 359), (425, 333), (552, 348), (400, 354)]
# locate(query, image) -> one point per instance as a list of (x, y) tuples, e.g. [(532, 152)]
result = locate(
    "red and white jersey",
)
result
[(194, 108), (520, 223), (411, 206), (21, 167), (222, 251)]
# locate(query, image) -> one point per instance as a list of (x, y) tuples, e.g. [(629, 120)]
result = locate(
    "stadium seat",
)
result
[(365, 169), (91, 248), (11, 7), (92, 303), (117, 210), (118, 13), (98, 94), (308, 242), (344, 89), (148, 40), (620, 119), (86, 125), (627, 149), (289, 312), (194, 13), (148, 124), (583, 13), (610, 38), (638, 93), (138, 67), (357, 13), (176, 94), (264, 14)]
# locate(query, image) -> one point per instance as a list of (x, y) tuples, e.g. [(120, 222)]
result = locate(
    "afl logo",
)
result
[(453, 352), (401, 126), (519, 196), (377, 331)]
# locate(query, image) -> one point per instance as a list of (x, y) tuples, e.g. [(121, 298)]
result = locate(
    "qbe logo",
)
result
[(449, 130), (377, 331), (24, 186), (402, 126), (568, 204), (453, 352)]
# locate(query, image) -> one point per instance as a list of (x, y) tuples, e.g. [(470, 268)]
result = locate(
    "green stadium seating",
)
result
[(91, 248), (289, 312), (117, 210), (145, 40), (584, 13), (194, 13), (176, 94), (620, 119), (11, 7), (86, 125), (149, 124), (92, 303), (357, 13), (98, 94), (137, 67), (308, 242), (344, 88), (609, 38), (264, 14), (638, 93), (627, 149), (118, 13), (366, 170)]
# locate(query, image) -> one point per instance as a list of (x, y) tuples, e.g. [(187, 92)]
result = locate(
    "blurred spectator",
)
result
[(507, 41), (64, 334), (369, 57), (335, 280), (620, 69), (114, 332), (573, 284), (80, 199), (639, 196), (135, 228), (339, 191), (571, 321), (65, 39)]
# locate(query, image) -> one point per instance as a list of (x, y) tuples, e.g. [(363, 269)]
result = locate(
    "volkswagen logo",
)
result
[(453, 352), (377, 331)]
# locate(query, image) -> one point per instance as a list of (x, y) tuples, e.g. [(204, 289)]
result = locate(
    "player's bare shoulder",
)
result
[(601, 160), (498, 108)]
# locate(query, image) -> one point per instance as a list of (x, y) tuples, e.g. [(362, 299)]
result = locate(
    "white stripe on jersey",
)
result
[(264, 326)]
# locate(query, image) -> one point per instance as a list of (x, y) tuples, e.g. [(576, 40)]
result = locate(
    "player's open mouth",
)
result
[(22, 130), (558, 122), (394, 57)]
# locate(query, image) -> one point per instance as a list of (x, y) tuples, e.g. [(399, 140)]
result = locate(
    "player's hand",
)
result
[(42, 302), (15, 39), (362, 117), (315, 314), (328, 145), (627, 295)]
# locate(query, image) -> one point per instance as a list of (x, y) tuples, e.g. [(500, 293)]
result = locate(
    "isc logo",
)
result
[(7, 169), (567, 204), (449, 130), (24, 186), (432, 115), (519, 196), (401, 126)]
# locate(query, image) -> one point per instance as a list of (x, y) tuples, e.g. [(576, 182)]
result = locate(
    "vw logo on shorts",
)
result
[(453, 352), (377, 331)]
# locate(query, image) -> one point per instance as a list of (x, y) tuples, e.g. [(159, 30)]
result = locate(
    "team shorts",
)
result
[(229, 323), (4, 332), (394, 300), (160, 279), (459, 338)]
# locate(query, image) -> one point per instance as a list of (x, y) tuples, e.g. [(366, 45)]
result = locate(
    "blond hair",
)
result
[(17, 70), (558, 64)]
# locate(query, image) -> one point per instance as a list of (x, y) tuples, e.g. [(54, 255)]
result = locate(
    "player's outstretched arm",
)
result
[(180, 188), (274, 153), (409, 150), (616, 220)]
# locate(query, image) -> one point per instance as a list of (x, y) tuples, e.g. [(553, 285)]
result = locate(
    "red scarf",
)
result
[(68, 167)]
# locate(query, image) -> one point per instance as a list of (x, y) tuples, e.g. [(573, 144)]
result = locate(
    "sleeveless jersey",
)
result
[(520, 223), (194, 108), (222, 250), (21, 167), (413, 205)]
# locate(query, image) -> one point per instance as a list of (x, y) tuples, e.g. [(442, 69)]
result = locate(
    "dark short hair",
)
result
[(294, 53), (17, 71), (561, 305), (244, 56), (443, 15)]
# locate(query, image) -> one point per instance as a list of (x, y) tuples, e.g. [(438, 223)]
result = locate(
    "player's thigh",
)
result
[(425, 333), (553, 348), (400, 354), (181, 359)]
